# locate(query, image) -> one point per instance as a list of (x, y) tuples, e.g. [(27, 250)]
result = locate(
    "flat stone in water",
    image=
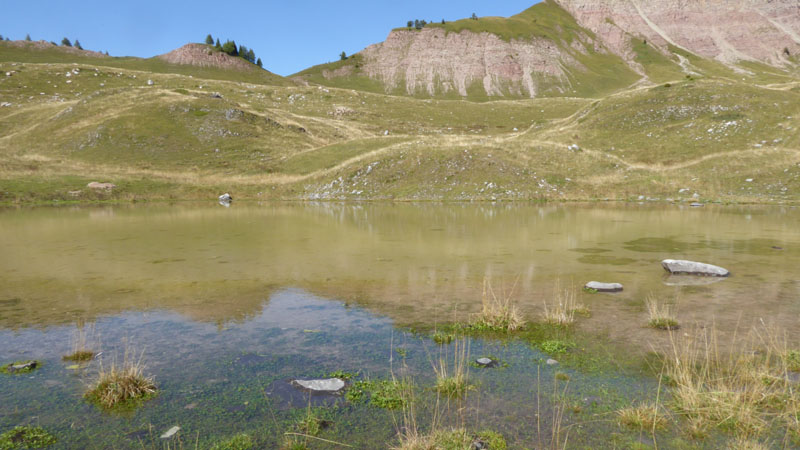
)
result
[(552, 362), (328, 385), (604, 287), (171, 432), (693, 268), (486, 362)]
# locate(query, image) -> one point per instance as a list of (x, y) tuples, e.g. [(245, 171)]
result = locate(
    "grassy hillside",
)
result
[(189, 137), (597, 73), (30, 54)]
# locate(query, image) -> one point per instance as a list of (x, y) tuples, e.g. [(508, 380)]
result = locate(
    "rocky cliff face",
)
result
[(727, 30), (433, 61), (201, 55), (573, 47)]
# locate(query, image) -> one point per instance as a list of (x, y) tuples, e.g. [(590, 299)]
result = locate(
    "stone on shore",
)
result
[(103, 186)]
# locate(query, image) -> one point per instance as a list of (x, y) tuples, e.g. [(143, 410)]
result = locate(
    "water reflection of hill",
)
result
[(415, 263)]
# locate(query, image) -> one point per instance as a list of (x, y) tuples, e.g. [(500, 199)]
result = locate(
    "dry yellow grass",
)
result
[(661, 314), (646, 416), (745, 390), (561, 310), (497, 313)]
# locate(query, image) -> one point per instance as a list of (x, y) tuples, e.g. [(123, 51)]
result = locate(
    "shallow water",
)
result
[(227, 302)]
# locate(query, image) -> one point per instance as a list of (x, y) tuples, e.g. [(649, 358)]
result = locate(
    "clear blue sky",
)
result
[(287, 35)]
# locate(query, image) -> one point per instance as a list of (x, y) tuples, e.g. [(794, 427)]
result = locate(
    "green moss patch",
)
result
[(23, 437), (20, 367)]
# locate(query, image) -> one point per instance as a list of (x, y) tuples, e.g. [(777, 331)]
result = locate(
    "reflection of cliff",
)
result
[(415, 263)]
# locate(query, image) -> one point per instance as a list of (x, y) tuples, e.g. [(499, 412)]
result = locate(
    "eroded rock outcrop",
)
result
[(726, 30)]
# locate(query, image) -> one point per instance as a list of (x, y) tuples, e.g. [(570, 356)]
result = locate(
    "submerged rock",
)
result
[(20, 367), (323, 386), (171, 432), (486, 362), (690, 280), (103, 186), (552, 362), (603, 287), (679, 267)]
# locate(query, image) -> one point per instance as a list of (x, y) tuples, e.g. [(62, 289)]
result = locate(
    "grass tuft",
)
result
[(121, 386), (453, 439), (497, 313), (646, 416), (661, 314), (452, 379), (79, 356), (239, 442), (561, 311)]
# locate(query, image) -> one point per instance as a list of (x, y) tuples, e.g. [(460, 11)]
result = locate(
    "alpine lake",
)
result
[(224, 306)]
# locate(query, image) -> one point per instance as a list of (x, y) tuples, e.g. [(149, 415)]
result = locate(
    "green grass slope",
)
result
[(688, 140), (15, 52)]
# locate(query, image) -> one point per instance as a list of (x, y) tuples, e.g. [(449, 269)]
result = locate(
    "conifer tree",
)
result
[(209, 40), (78, 44), (251, 56), (259, 63), (66, 43), (218, 46), (27, 37)]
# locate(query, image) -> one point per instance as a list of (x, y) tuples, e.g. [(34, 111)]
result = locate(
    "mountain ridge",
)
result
[(574, 48)]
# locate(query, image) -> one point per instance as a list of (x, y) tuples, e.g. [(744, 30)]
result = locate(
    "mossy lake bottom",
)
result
[(230, 304)]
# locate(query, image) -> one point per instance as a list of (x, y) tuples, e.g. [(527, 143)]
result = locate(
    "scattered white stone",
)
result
[(552, 362), (150, 82), (386, 133), (484, 361), (5, 105), (171, 432), (683, 190), (749, 180), (8, 74), (69, 81)]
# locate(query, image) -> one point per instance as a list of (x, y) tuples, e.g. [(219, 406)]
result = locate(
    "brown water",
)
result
[(414, 263)]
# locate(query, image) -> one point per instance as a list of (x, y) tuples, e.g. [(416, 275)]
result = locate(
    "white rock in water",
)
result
[(484, 361), (171, 432), (693, 268), (604, 287), (552, 362), (330, 385), (225, 198)]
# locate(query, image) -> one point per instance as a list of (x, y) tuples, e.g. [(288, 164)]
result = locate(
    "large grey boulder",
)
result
[(323, 386), (677, 267), (603, 287), (225, 200)]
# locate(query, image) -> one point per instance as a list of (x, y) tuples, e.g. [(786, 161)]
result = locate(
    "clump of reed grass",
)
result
[(80, 347), (498, 313), (452, 380), (561, 311), (661, 314), (745, 390), (121, 385), (646, 416)]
